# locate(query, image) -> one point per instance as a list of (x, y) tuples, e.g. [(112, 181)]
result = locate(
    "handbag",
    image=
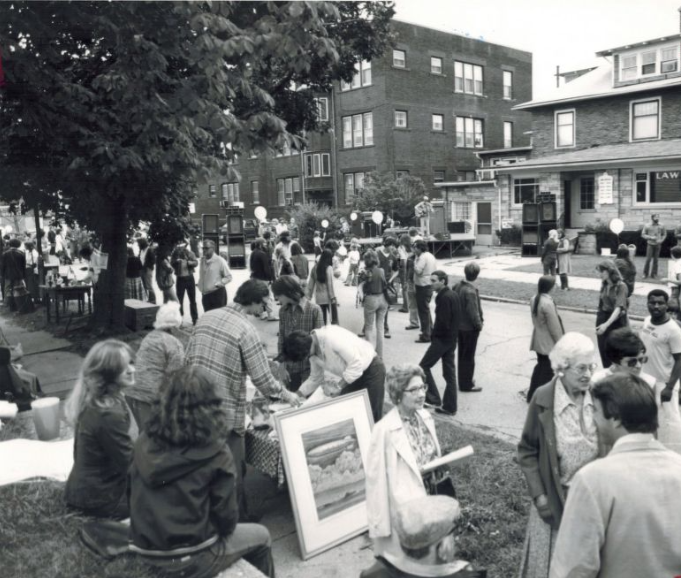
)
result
[(390, 293)]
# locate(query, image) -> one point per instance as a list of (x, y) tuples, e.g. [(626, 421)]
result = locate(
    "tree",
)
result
[(393, 197), (130, 104)]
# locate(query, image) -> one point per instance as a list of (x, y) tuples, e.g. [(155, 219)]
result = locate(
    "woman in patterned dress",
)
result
[(134, 289), (401, 444), (559, 438)]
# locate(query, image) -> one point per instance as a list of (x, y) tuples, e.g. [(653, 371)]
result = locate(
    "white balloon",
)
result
[(377, 217), (260, 213), (325, 223), (617, 226), (353, 216)]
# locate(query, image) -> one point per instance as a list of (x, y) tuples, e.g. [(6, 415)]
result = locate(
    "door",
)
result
[(484, 224), (582, 201)]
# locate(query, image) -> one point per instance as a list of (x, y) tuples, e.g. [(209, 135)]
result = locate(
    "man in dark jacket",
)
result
[(469, 327), (13, 271), (148, 257), (442, 345)]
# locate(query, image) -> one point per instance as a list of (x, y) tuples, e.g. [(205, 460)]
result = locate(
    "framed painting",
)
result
[(324, 448)]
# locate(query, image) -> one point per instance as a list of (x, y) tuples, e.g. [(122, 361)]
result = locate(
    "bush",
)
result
[(309, 217), (510, 236)]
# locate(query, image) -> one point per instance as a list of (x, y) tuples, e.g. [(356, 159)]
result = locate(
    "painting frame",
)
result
[(314, 440)]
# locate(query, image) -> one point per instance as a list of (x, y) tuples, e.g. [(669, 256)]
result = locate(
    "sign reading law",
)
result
[(605, 189), (667, 187)]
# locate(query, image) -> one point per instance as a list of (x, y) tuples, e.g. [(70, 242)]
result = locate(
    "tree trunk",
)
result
[(109, 295)]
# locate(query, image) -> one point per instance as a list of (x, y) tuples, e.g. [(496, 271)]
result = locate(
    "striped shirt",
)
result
[(228, 346), (305, 316)]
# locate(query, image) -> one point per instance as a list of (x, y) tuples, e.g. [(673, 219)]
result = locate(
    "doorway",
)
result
[(483, 233)]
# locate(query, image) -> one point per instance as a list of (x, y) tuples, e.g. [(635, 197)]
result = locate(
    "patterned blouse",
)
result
[(420, 440), (576, 437)]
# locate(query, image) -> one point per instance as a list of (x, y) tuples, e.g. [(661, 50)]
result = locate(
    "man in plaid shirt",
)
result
[(296, 314), (227, 345)]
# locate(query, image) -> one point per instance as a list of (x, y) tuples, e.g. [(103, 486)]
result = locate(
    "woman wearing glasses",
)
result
[(559, 438), (401, 444), (627, 352)]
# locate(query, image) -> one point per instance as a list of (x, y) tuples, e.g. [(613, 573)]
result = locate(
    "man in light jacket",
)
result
[(621, 515), (424, 265), (214, 275)]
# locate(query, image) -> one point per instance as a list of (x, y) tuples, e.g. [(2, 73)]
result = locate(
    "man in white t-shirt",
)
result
[(673, 279), (662, 338)]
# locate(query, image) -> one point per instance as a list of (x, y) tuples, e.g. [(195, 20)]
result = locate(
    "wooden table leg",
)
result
[(48, 305)]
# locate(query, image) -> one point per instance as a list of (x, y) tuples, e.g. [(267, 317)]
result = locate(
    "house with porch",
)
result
[(605, 145)]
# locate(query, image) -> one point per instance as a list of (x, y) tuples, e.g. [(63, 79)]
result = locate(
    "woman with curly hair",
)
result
[(183, 498), (401, 444), (612, 306), (320, 286), (101, 420)]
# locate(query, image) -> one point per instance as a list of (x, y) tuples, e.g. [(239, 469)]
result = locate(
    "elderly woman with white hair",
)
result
[(401, 444), (549, 256), (558, 439), (160, 354)]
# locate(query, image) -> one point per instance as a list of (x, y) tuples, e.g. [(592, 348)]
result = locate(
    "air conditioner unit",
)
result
[(224, 204)]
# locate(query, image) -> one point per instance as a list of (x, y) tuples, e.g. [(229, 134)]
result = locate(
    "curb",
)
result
[(561, 307)]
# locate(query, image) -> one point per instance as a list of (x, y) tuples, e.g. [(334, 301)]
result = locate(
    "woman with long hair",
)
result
[(183, 506), (301, 266), (626, 267), (165, 275), (375, 304), (320, 285), (612, 306), (102, 445), (547, 330), (549, 256)]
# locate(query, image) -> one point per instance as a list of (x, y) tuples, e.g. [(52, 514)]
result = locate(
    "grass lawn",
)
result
[(40, 537)]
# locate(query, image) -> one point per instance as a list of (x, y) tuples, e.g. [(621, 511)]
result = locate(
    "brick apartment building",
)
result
[(608, 144), (426, 108)]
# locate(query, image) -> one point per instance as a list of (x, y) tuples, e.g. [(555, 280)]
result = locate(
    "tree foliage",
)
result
[(125, 106), (394, 197)]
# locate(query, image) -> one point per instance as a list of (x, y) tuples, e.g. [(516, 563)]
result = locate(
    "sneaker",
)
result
[(422, 340)]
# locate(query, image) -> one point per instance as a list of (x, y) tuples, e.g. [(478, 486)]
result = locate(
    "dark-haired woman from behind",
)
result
[(625, 265), (612, 306), (183, 500), (320, 286), (547, 330)]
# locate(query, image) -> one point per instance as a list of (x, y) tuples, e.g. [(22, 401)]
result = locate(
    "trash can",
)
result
[(632, 251)]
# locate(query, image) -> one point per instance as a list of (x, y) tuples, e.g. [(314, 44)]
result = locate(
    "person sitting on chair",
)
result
[(425, 528)]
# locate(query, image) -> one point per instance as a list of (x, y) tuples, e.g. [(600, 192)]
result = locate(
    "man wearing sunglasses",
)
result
[(661, 336)]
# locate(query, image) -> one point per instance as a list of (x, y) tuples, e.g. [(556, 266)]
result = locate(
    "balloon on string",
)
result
[(377, 217), (325, 223), (353, 216), (617, 226), (260, 213)]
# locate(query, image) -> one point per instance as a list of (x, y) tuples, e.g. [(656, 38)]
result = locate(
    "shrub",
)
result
[(309, 217), (510, 236)]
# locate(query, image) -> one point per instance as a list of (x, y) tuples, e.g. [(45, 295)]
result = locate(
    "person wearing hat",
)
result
[(425, 529), (654, 233), (422, 211)]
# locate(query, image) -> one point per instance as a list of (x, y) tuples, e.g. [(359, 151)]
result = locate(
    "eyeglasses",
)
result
[(416, 388), (634, 361), (582, 369), (206, 248)]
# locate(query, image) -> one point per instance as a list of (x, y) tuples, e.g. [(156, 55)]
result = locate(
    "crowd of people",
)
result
[(599, 449)]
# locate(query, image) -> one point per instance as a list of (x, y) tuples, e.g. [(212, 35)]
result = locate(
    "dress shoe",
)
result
[(443, 411), (386, 335), (403, 310), (472, 390), (422, 340), (362, 335), (411, 327)]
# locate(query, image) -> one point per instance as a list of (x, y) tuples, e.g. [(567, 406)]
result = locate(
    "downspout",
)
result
[(334, 170), (302, 175)]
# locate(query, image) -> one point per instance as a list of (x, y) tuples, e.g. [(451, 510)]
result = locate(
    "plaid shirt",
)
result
[(305, 316), (228, 346)]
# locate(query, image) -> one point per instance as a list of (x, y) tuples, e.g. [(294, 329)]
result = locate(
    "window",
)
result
[(285, 190), (658, 186), (399, 58), (255, 192), (286, 150), (401, 174), (212, 191), (317, 165), (469, 132), (669, 59), (525, 190), (438, 176), (461, 211), (467, 78), (322, 109), (565, 128), (508, 85), (628, 67), (358, 130), (586, 193), (466, 176), (648, 62), (361, 78), (230, 192), (508, 134), (645, 119), (436, 65), (438, 122), (400, 119), (353, 183)]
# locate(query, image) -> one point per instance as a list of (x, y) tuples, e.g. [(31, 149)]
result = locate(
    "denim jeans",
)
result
[(423, 296), (413, 310), (375, 310), (652, 254)]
